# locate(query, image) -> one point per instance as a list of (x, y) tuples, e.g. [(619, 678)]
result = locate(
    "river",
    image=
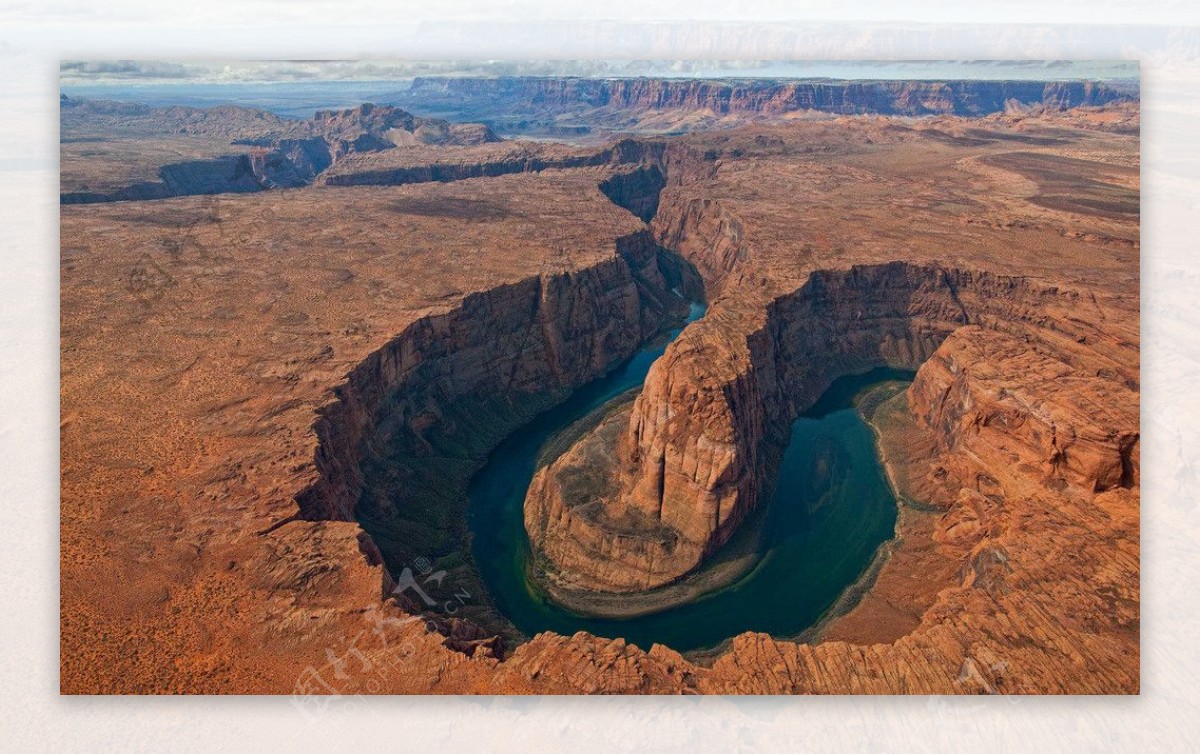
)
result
[(831, 511)]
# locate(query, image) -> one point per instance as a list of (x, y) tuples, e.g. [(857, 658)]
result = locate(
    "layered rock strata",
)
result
[(520, 346), (420, 166), (704, 434), (762, 96)]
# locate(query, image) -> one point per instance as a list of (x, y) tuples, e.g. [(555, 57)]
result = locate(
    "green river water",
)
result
[(831, 510)]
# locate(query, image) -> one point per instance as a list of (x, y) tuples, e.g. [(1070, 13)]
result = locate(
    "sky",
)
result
[(83, 73)]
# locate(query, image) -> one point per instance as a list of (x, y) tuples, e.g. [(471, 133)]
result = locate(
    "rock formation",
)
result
[(590, 99), (421, 165), (523, 345), (702, 439), (704, 434), (255, 150)]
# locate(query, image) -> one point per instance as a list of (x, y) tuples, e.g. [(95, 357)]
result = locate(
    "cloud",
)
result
[(124, 69), (218, 72)]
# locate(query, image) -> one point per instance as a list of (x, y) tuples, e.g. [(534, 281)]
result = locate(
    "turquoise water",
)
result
[(831, 511)]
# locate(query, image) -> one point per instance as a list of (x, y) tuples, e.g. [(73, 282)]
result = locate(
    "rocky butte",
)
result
[(253, 381)]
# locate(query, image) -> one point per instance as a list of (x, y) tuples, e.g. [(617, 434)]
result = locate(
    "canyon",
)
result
[(699, 443), (270, 461)]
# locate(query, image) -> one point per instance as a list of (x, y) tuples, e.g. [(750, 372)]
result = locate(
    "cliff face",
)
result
[(711, 234), (445, 167), (1062, 426), (767, 97), (518, 346), (235, 174), (637, 190), (704, 435)]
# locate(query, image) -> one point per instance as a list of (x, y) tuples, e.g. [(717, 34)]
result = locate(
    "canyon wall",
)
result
[(766, 97), (294, 162), (1062, 427), (515, 348), (235, 174), (704, 436), (623, 152)]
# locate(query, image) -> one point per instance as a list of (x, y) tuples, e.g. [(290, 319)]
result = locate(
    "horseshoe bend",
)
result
[(836, 404)]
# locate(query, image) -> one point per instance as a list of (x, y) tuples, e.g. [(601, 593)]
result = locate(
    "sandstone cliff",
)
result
[(705, 432), (765, 97), (521, 346), (420, 166), (233, 174)]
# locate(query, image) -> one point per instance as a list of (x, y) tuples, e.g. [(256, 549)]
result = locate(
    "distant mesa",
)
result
[(274, 152), (627, 102)]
